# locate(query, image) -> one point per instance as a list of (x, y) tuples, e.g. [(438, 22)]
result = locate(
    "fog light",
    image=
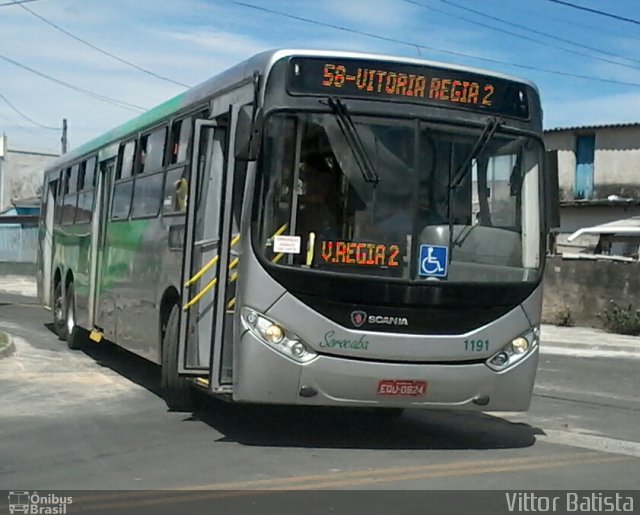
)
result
[(298, 350), (520, 345), (500, 359), (274, 333)]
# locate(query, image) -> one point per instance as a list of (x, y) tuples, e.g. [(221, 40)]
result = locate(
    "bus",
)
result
[(315, 228)]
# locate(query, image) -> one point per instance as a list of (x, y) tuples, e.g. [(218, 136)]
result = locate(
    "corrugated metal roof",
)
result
[(591, 127)]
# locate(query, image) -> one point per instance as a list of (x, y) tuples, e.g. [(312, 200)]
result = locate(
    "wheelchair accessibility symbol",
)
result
[(433, 260)]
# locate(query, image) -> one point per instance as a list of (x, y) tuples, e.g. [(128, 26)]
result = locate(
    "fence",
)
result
[(18, 245), (585, 288)]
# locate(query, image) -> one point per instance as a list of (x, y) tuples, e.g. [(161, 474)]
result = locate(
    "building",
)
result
[(599, 179), (21, 173)]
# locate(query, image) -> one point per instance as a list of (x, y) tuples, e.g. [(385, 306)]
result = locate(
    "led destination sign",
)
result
[(405, 82), (370, 255)]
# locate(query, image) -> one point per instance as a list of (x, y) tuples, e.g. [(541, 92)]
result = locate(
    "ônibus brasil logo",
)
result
[(358, 318), (21, 501)]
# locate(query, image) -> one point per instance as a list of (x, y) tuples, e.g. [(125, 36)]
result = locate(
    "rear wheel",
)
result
[(176, 390), (59, 321), (76, 336)]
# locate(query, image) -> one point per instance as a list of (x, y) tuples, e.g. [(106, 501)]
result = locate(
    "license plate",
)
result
[(402, 388)]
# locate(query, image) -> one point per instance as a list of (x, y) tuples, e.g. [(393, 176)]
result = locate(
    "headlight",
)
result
[(276, 336), (514, 351)]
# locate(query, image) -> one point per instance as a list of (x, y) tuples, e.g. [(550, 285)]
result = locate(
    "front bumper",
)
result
[(265, 376)]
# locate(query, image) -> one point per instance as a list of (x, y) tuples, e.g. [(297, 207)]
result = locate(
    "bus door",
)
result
[(209, 260), (45, 239), (106, 170)]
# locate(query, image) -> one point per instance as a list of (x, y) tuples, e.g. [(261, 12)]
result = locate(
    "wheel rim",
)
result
[(57, 309), (71, 322)]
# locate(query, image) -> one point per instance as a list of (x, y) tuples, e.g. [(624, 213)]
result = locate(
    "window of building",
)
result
[(585, 153)]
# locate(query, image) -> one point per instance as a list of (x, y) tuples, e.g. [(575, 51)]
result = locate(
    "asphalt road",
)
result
[(95, 420)]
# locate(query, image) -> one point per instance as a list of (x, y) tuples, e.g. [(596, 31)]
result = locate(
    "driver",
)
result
[(319, 205)]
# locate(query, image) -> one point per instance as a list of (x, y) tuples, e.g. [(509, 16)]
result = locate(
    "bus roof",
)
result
[(262, 63)]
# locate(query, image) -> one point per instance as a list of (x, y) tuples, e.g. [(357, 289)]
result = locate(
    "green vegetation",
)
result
[(6, 345), (618, 319), (564, 317)]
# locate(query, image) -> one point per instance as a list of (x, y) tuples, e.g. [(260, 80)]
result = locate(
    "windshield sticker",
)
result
[(331, 342), (433, 260), (379, 255), (286, 244)]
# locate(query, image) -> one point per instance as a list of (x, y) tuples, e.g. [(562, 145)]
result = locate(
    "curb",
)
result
[(590, 346), (7, 349)]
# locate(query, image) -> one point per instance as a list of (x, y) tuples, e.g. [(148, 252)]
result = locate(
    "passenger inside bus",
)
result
[(319, 207)]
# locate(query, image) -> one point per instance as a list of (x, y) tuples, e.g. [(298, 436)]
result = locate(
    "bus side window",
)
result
[(123, 188), (180, 134), (147, 194), (86, 187), (176, 190), (126, 156), (57, 213), (71, 195)]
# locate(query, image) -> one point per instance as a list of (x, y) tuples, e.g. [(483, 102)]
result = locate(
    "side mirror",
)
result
[(248, 134), (551, 190)]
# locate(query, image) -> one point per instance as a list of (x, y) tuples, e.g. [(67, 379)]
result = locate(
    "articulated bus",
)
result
[(314, 228)]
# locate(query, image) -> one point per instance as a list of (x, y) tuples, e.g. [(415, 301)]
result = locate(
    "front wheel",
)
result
[(176, 390)]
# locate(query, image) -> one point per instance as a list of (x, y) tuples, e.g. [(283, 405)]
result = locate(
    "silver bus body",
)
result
[(127, 274)]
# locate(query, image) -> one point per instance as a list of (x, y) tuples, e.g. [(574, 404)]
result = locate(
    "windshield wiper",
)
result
[(463, 170), (351, 134), (483, 140)]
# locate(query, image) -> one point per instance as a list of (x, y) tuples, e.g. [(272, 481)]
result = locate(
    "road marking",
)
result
[(591, 442), (347, 479), (589, 353), (561, 389)]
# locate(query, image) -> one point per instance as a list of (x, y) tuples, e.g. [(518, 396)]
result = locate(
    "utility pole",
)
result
[(63, 140)]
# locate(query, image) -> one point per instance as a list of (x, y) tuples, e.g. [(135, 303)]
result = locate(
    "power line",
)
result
[(572, 22), (520, 36), (595, 11), (97, 96), (98, 49), (15, 125), (31, 120), (535, 31), (433, 49), (14, 2)]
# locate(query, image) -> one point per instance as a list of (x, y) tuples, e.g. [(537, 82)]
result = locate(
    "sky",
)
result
[(181, 43)]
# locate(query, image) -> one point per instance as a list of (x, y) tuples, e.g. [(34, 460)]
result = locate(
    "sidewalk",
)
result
[(581, 338), (18, 285)]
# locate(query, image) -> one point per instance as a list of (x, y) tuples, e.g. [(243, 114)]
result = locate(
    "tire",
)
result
[(59, 312), (76, 336), (176, 390)]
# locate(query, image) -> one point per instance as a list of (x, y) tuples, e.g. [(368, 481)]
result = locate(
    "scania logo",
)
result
[(358, 318)]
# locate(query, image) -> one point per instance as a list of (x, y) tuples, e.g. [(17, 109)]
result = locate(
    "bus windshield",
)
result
[(435, 187)]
